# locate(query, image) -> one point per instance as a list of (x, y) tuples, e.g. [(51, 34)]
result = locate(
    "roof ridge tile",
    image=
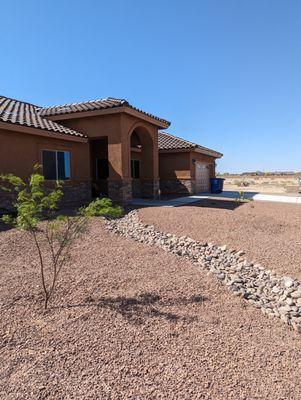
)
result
[(104, 103)]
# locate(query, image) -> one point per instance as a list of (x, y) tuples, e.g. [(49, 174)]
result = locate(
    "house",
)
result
[(184, 167), (98, 147)]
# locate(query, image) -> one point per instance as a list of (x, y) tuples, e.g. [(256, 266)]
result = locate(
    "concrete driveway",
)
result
[(281, 198)]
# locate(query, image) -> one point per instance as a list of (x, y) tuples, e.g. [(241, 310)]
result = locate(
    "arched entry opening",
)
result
[(143, 163)]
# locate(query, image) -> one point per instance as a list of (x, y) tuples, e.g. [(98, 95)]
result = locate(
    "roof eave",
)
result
[(208, 152), (10, 126)]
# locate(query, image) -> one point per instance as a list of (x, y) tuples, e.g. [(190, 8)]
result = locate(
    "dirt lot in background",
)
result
[(135, 322), (264, 184), (270, 233)]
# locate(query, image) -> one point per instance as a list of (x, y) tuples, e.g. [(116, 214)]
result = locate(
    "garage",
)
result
[(202, 177), (185, 168)]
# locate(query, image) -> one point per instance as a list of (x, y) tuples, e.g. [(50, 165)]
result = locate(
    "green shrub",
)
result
[(103, 207), (241, 197)]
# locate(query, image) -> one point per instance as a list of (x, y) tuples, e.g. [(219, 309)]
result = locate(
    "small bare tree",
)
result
[(60, 235), (35, 212)]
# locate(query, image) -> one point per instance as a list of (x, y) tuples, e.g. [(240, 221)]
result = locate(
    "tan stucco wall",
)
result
[(174, 165), (20, 151), (180, 165)]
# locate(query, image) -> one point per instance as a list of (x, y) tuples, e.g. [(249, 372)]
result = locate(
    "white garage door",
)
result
[(202, 177)]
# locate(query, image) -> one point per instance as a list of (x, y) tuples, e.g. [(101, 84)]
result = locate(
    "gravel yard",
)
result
[(135, 322), (269, 233)]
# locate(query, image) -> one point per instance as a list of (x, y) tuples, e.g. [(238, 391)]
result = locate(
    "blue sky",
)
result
[(226, 73)]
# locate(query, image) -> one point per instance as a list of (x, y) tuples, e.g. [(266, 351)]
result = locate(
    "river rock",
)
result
[(296, 294), (288, 281), (275, 296)]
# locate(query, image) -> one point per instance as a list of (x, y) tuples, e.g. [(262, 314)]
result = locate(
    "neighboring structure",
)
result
[(184, 167), (97, 147)]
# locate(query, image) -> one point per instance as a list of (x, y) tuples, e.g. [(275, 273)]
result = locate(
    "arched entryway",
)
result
[(143, 163)]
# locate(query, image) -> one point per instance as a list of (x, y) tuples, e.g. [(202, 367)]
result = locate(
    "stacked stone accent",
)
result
[(275, 296), (136, 188), (76, 193), (149, 188), (120, 191), (177, 186)]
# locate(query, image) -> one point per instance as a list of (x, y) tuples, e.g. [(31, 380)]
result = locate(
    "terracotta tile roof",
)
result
[(26, 114), (93, 105), (166, 141)]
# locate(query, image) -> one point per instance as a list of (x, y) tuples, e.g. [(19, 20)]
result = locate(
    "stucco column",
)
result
[(150, 182), (150, 170), (119, 183)]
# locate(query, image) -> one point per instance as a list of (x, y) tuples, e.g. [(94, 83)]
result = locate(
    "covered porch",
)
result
[(127, 168)]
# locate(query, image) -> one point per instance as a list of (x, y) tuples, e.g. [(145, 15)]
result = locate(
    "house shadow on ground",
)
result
[(223, 204), (137, 310)]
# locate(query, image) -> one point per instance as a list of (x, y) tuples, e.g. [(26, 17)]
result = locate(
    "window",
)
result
[(102, 168), (135, 169), (56, 164)]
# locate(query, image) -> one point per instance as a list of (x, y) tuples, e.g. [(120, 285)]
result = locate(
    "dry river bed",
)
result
[(130, 321), (269, 233)]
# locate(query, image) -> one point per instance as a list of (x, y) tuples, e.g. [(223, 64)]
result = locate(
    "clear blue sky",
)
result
[(226, 73)]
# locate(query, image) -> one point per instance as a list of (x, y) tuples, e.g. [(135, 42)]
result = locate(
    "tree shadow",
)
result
[(138, 309)]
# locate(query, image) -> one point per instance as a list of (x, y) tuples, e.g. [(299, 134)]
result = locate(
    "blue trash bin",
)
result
[(217, 185)]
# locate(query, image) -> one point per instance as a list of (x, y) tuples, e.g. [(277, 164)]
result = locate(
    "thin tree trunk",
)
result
[(46, 302), (41, 270)]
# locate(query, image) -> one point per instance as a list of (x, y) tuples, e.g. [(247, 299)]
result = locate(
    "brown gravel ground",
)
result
[(135, 322), (269, 233)]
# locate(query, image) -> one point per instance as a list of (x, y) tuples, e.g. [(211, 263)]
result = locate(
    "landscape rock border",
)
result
[(276, 296)]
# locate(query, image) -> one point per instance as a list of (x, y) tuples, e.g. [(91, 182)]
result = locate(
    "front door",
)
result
[(99, 166), (202, 177)]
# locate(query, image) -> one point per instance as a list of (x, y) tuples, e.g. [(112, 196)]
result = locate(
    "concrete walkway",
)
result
[(180, 201), (280, 198)]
